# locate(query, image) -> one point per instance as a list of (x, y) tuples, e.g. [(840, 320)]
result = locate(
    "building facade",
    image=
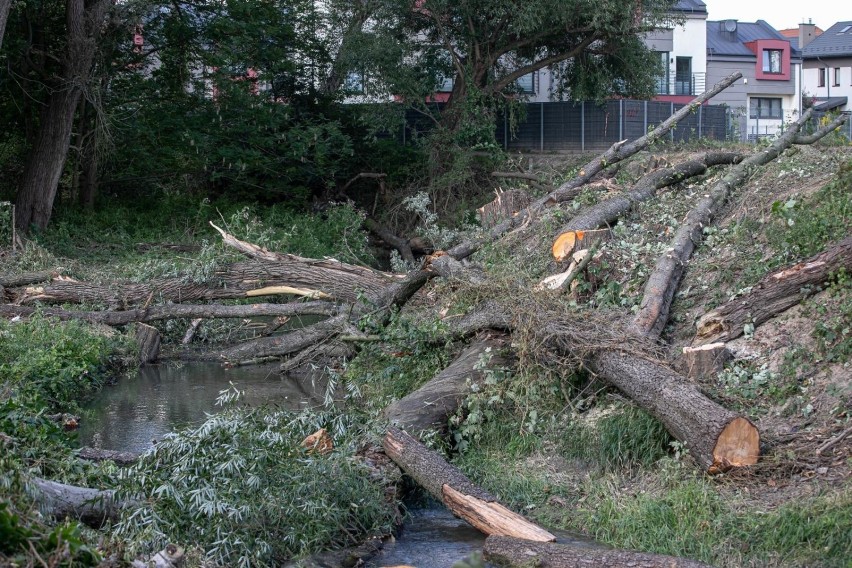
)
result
[(827, 68), (767, 97)]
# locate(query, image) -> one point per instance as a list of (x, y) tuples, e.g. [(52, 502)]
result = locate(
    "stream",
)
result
[(134, 412), (130, 414)]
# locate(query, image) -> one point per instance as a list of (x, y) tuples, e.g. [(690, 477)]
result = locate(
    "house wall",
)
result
[(738, 96), (810, 79)]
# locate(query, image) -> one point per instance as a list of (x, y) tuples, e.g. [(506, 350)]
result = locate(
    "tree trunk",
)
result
[(91, 506), (506, 551), (148, 338), (717, 438), (664, 281), (776, 292), (34, 203), (46, 160), (5, 7), (456, 491), (430, 406), (173, 311)]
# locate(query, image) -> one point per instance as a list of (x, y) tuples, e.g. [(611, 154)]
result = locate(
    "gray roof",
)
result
[(831, 42), (690, 6), (720, 42)]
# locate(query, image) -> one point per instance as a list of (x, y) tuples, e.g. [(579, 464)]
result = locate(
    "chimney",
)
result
[(807, 33), (728, 30)]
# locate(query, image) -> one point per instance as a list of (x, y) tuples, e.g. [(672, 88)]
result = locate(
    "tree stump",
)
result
[(148, 339)]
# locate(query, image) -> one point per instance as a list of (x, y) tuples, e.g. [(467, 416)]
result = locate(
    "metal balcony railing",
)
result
[(673, 84)]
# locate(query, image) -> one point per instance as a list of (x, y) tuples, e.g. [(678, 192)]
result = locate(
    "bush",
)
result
[(241, 487)]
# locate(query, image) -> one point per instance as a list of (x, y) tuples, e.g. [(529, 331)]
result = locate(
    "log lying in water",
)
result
[(506, 551), (456, 491)]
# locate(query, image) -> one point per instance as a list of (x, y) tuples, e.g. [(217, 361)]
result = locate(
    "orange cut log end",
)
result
[(565, 243), (738, 445)]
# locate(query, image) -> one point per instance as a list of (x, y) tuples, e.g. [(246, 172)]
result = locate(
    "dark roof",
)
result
[(833, 42), (720, 42), (690, 6), (828, 104)]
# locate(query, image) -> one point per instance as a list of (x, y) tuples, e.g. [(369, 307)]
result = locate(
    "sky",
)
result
[(781, 13)]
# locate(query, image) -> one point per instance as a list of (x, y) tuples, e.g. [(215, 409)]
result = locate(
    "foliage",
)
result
[(241, 487), (61, 545), (623, 436), (56, 364)]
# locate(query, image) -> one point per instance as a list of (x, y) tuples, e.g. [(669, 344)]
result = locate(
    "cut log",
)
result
[(275, 290), (28, 278), (570, 241), (456, 491), (606, 212), (148, 338), (91, 506), (190, 331), (95, 454), (430, 406), (776, 292), (506, 204), (616, 153), (664, 281), (506, 551), (173, 311), (705, 361), (717, 438), (171, 556)]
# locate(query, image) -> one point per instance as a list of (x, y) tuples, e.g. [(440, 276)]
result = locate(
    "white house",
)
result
[(827, 73)]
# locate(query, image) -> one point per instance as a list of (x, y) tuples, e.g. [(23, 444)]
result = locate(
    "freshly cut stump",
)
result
[(736, 446), (569, 241)]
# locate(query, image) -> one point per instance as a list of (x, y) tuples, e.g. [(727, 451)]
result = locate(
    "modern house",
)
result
[(768, 95), (827, 73), (682, 51)]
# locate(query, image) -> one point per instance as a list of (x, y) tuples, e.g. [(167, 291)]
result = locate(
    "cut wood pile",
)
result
[(628, 354)]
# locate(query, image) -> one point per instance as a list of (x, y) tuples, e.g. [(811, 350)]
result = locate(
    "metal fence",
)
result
[(587, 126)]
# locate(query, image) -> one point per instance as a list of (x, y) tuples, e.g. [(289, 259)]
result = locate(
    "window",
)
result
[(683, 76), (836, 77), (527, 84), (663, 77), (821, 77), (354, 83), (765, 108), (772, 61)]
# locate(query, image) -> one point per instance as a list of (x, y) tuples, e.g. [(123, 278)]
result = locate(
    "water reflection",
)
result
[(129, 415)]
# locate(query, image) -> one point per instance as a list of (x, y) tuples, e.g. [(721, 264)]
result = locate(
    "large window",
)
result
[(683, 76), (821, 77), (836, 77), (765, 108), (663, 77), (772, 61)]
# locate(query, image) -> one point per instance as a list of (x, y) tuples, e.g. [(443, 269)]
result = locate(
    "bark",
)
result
[(430, 406), (5, 6), (608, 211), (618, 152), (456, 491), (705, 361), (822, 131), (664, 281), (27, 278), (717, 438), (97, 455), (281, 345), (34, 203), (148, 338), (776, 292), (506, 551), (93, 507), (173, 311)]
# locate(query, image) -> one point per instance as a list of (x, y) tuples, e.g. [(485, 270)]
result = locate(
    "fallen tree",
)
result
[(507, 551), (776, 292)]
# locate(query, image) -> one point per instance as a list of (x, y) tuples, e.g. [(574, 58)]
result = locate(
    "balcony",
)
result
[(674, 84)]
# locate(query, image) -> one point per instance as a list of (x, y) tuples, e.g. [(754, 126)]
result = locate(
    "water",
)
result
[(431, 538), (130, 414)]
